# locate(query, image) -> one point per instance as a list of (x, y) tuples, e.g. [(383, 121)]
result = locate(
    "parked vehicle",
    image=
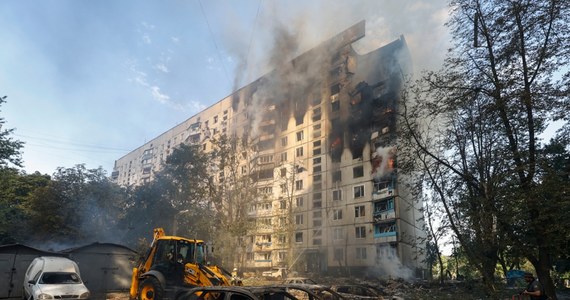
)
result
[(299, 280), (271, 292), (317, 291), (357, 292), (51, 277), (275, 273)]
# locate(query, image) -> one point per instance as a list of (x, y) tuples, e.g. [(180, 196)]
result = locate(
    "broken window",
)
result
[(357, 172), (316, 114), (384, 205), (336, 176), (335, 89), (335, 106)]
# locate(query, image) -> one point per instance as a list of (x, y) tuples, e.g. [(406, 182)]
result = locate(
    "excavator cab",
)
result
[(172, 257), (173, 264)]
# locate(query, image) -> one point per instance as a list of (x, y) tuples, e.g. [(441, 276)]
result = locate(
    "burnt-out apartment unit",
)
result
[(321, 129)]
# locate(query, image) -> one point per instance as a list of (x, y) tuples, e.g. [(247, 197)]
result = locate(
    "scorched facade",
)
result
[(322, 130)]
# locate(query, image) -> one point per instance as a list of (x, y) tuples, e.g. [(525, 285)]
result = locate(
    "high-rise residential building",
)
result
[(322, 132)]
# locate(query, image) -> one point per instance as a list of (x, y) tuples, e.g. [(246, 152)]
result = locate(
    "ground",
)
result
[(394, 289)]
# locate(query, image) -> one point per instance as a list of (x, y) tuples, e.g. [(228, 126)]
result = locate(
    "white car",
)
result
[(275, 273), (51, 277)]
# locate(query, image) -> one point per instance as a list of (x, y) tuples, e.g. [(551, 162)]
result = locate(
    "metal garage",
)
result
[(14, 261), (105, 267)]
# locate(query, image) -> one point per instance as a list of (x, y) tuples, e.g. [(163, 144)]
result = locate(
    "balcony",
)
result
[(382, 216), (386, 237), (382, 193)]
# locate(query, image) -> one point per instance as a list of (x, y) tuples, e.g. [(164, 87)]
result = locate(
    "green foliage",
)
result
[(471, 130), (9, 148), (77, 205), (15, 190)]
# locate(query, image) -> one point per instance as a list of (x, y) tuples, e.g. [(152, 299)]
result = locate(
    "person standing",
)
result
[(534, 289)]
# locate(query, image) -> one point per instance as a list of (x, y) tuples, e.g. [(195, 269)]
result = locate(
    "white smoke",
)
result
[(384, 155), (389, 266)]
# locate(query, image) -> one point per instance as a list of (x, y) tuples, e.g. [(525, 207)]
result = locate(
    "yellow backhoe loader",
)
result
[(171, 266)]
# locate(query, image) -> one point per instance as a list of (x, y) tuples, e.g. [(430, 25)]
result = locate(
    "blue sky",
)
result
[(89, 81)]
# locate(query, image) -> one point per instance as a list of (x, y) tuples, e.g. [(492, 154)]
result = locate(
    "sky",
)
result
[(89, 81)]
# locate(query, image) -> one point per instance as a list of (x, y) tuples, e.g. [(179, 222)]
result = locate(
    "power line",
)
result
[(252, 34), (215, 44), (69, 143)]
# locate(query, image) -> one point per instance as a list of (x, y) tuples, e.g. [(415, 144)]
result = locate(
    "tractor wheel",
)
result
[(150, 289)]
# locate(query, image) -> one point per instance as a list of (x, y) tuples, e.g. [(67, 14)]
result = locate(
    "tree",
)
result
[(175, 199), (77, 205), (474, 127), (9, 148), (232, 194), (15, 190)]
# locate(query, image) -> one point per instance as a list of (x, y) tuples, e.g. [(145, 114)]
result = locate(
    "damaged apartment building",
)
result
[(322, 132)]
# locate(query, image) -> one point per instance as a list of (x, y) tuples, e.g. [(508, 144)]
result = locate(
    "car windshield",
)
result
[(59, 278)]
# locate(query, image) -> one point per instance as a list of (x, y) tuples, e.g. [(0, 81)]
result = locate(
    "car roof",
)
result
[(58, 264)]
